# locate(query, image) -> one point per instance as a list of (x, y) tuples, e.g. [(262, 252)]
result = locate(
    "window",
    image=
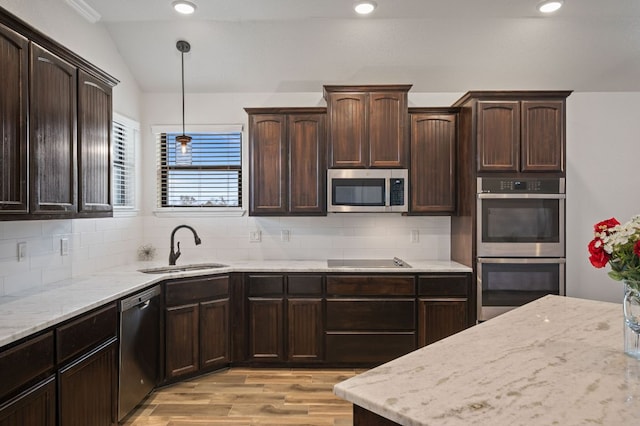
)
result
[(125, 133), (206, 174)]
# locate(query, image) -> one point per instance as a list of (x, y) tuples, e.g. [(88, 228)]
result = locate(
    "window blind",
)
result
[(208, 173), (123, 165)]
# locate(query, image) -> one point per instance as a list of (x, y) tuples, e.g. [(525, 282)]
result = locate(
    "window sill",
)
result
[(204, 212), (125, 212)]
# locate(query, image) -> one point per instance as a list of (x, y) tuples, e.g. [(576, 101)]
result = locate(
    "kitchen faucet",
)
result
[(173, 255)]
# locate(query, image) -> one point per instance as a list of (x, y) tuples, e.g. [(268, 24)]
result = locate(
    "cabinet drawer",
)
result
[(371, 314), (368, 347), (370, 285), (304, 285), (194, 290), (443, 285), (86, 332), (23, 363), (263, 285)]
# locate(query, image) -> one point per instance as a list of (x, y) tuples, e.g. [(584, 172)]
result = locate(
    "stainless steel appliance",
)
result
[(520, 241), (367, 190), (521, 217), (506, 283), (139, 348)]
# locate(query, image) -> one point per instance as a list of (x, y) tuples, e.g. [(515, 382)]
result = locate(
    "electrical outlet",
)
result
[(255, 236), (285, 235), (64, 247), (415, 236), (22, 251)]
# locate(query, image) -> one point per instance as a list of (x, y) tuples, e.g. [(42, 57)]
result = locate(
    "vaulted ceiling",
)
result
[(436, 45)]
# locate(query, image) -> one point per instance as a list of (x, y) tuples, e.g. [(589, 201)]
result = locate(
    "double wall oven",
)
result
[(520, 241)]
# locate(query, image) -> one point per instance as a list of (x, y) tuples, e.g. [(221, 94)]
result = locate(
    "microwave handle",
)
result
[(387, 192), (486, 196)]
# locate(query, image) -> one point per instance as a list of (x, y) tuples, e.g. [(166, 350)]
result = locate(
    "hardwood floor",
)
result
[(249, 397)]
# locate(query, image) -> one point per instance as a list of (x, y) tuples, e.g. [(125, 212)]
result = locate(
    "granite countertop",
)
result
[(36, 309), (555, 361)]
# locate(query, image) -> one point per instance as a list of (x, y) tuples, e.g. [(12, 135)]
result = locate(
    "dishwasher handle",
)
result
[(141, 300)]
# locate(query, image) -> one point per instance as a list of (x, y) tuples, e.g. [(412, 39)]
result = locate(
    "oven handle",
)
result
[(487, 195), (522, 260)]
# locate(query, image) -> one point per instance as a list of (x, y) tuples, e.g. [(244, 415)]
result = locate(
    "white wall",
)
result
[(603, 159), (94, 243)]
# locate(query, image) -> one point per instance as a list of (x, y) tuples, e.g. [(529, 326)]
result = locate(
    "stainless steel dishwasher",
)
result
[(139, 348)]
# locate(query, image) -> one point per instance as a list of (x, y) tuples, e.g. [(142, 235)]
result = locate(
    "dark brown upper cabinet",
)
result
[(368, 126), (94, 146), (287, 165), (55, 152), (521, 132), (433, 160), (52, 130), (14, 66)]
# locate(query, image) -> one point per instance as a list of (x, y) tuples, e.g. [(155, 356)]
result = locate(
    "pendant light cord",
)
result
[(182, 54)]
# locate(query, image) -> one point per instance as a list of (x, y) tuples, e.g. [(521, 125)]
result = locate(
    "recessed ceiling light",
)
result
[(365, 7), (185, 7), (550, 6)]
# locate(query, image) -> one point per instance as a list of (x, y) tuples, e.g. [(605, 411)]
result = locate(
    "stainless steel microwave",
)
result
[(367, 190)]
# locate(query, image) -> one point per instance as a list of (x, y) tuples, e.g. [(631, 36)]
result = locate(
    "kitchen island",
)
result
[(555, 361)]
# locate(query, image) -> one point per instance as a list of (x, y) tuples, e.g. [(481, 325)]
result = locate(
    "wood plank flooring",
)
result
[(249, 397)]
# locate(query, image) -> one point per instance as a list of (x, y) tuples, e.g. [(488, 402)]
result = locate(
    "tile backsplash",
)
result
[(96, 244)]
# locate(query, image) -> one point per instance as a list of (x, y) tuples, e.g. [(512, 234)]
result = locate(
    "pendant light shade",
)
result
[(183, 139)]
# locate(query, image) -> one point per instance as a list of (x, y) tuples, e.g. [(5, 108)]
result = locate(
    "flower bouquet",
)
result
[(619, 246)]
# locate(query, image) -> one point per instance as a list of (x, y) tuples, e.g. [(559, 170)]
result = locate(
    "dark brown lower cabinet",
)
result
[(34, 407), (443, 306), (266, 329), (438, 319), (181, 339), (305, 330), (196, 325), (88, 388)]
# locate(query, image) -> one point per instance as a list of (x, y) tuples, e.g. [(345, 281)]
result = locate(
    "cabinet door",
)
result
[(267, 167), (543, 136), (305, 330), (498, 136), (439, 318), (181, 340), (14, 65), (266, 329), (34, 407), (52, 124), (388, 141), (307, 176), (88, 388), (433, 159), (214, 333), (94, 146), (348, 138)]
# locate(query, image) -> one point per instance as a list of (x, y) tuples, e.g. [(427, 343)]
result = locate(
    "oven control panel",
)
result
[(521, 185)]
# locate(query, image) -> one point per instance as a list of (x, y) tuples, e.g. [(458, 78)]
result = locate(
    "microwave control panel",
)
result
[(396, 195)]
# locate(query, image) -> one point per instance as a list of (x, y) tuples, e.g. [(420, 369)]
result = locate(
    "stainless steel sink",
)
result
[(182, 268)]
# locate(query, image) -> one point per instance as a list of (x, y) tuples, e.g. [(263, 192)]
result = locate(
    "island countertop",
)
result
[(555, 361)]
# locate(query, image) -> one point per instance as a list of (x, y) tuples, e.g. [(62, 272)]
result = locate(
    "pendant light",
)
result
[(184, 47)]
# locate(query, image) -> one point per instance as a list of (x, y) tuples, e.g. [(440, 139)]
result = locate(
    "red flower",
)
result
[(599, 257), (636, 248), (605, 225)]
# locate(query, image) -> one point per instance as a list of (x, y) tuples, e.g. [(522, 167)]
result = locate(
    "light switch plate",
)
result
[(285, 235), (64, 247), (415, 236), (255, 236), (22, 251)]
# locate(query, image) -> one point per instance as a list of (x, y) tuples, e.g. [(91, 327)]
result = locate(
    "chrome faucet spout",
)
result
[(174, 255)]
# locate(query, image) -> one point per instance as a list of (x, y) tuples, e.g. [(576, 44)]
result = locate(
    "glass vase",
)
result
[(631, 309)]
